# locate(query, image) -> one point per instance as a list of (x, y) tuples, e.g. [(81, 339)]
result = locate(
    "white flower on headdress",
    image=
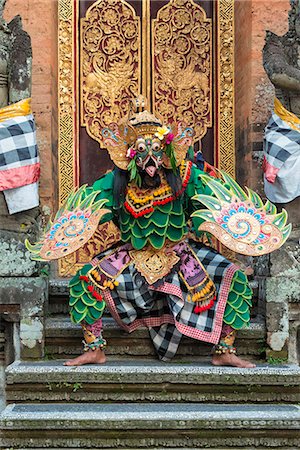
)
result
[(161, 132)]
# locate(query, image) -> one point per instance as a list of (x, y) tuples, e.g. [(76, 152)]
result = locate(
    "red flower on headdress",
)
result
[(169, 138), (131, 152)]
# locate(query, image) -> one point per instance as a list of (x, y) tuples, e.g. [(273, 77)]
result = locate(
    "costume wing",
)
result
[(74, 224), (240, 220)]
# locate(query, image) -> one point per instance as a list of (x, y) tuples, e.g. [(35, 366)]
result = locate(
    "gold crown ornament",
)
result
[(176, 138)]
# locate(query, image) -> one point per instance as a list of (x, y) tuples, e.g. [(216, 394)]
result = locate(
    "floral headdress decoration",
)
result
[(120, 138)]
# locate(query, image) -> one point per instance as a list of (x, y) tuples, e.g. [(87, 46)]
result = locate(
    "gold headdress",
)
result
[(140, 122)]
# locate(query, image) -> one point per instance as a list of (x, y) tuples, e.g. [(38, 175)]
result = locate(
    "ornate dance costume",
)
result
[(158, 276)]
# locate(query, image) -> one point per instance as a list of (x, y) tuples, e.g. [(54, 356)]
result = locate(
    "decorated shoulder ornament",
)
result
[(74, 224), (240, 220)]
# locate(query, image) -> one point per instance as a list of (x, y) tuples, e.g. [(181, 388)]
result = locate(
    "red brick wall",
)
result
[(243, 103), (40, 21), (254, 92)]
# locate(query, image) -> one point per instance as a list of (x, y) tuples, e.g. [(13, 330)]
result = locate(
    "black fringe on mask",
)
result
[(174, 180), (121, 179)]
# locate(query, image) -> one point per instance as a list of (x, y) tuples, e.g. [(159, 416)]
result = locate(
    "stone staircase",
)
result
[(135, 401)]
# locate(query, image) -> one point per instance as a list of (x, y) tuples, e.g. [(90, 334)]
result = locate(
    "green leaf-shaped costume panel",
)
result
[(165, 222), (105, 186), (239, 302), (196, 186), (84, 307)]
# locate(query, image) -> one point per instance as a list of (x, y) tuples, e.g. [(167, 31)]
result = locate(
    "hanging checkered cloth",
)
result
[(19, 161), (281, 160), (165, 310)]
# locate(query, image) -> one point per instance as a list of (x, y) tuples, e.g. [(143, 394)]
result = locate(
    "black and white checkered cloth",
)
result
[(168, 316), (18, 151), (280, 141)]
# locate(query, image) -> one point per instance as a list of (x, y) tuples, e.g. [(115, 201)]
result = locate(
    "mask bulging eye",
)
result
[(140, 145), (156, 146)]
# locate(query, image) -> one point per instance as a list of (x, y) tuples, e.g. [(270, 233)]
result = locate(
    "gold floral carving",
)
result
[(110, 64), (225, 113), (182, 65), (66, 120), (153, 264), (105, 236), (66, 116)]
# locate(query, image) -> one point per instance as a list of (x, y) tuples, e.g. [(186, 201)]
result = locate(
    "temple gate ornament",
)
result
[(110, 64), (107, 60), (182, 65)]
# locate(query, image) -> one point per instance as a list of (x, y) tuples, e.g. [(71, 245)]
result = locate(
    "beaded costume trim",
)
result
[(140, 202)]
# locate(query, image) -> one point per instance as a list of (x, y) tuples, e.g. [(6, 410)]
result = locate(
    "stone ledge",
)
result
[(147, 380), (133, 371), (149, 416), (63, 339), (138, 426), (59, 286)]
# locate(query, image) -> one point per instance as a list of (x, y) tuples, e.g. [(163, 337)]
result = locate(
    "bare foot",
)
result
[(90, 357), (230, 359)]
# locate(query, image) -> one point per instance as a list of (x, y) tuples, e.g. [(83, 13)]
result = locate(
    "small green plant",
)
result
[(276, 361), (77, 386), (63, 385), (45, 270), (47, 355)]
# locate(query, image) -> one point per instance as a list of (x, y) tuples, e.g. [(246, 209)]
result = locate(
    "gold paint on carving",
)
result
[(106, 235), (225, 113), (146, 51), (110, 64), (182, 65), (66, 117), (153, 264)]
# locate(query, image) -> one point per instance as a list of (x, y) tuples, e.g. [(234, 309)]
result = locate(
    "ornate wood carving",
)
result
[(110, 64), (225, 113), (182, 65)]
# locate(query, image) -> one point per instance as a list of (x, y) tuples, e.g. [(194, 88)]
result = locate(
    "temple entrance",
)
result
[(177, 53), (161, 49)]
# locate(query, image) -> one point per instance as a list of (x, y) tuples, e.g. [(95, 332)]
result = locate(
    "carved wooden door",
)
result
[(162, 49), (177, 53)]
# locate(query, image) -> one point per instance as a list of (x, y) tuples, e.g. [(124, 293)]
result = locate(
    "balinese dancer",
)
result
[(156, 277)]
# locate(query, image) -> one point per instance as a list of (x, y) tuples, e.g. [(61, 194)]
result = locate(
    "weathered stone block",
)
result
[(15, 260), (282, 289), (277, 317), (28, 292), (278, 341), (31, 294), (281, 261)]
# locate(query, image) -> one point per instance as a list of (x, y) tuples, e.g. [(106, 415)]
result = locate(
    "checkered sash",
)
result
[(19, 161), (281, 142), (133, 303)]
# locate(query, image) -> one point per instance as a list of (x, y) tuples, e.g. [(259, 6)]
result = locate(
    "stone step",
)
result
[(64, 340), (150, 381), (59, 295), (82, 425)]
